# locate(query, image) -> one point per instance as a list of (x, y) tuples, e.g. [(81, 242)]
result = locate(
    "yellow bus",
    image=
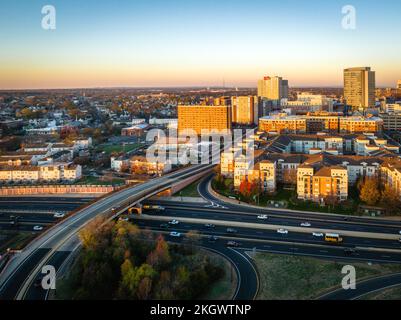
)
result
[(333, 238)]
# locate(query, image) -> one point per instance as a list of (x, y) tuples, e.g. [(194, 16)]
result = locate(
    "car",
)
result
[(175, 234), (349, 251), (38, 282), (59, 215), (318, 234), (399, 240), (37, 228), (210, 226), (164, 226), (399, 232), (231, 230), (232, 244), (126, 219), (212, 238), (174, 222), (345, 219), (282, 231), (263, 217), (305, 224)]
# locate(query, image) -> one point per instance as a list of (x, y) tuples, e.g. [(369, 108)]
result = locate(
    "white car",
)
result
[(263, 217), (59, 215), (37, 228), (318, 234), (175, 234), (126, 219), (305, 224), (174, 222), (282, 231), (400, 232)]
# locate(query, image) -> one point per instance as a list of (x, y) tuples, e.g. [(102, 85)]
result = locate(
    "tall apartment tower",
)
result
[(359, 87), (245, 110), (273, 88)]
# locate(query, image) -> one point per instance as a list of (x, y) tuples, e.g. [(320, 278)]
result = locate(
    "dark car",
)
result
[(231, 230), (210, 226), (349, 251), (212, 238), (164, 226)]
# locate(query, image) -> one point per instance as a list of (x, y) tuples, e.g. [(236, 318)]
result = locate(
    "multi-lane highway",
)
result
[(373, 240), (23, 269)]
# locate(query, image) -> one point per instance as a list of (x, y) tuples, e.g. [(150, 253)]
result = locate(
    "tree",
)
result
[(390, 199), (369, 191), (248, 190), (160, 256)]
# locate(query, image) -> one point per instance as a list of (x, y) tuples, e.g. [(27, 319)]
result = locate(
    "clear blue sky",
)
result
[(184, 42)]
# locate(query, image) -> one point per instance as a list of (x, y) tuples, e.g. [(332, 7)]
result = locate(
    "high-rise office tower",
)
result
[(359, 87), (399, 84), (273, 88)]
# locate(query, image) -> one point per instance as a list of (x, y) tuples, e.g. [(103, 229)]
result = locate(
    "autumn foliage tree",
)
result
[(248, 190), (369, 191)]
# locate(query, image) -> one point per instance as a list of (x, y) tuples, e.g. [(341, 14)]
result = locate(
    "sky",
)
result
[(168, 43)]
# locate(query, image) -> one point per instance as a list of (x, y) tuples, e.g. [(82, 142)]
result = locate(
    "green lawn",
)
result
[(109, 149), (189, 191), (285, 277), (14, 240), (223, 289), (97, 182)]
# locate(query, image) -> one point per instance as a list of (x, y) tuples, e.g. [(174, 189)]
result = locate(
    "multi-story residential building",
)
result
[(317, 182), (391, 121), (43, 173), (245, 110), (392, 107), (359, 87), (321, 122), (391, 174), (140, 164), (264, 174), (242, 165), (198, 118), (118, 164), (273, 88)]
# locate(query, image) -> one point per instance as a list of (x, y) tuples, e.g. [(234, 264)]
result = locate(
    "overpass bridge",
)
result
[(23, 268)]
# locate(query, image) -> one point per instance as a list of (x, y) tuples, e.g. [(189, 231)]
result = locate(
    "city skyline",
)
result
[(196, 44)]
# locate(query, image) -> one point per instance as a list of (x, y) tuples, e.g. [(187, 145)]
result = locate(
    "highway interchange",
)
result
[(374, 240)]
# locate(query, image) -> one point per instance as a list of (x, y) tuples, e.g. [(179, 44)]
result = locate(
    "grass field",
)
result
[(109, 149), (284, 277), (189, 191), (97, 182), (14, 239), (225, 288)]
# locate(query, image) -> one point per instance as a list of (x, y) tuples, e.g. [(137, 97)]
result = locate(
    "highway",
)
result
[(374, 240), (21, 272)]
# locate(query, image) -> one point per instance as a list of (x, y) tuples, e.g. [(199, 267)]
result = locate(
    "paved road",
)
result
[(364, 287), (24, 267)]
